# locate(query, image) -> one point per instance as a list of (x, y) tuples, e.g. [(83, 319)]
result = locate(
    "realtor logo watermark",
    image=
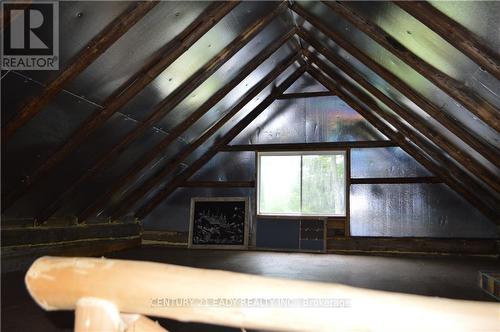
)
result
[(31, 40)]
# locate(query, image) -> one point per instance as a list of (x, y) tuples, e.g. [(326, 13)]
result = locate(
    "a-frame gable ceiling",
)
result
[(388, 61)]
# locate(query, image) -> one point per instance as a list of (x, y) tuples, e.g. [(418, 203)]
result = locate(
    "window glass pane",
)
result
[(323, 184), (279, 184)]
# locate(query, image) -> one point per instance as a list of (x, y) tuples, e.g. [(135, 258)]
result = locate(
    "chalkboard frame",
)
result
[(218, 201)]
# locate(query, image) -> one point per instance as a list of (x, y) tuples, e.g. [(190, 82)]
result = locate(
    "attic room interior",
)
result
[(250, 166)]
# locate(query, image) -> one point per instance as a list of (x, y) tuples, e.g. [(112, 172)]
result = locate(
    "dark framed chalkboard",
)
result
[(218, 223)]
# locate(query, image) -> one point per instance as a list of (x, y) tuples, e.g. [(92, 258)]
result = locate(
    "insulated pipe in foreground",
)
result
[(246, 301)]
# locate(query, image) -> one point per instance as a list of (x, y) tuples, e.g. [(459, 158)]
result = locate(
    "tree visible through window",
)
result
[(301, 183)]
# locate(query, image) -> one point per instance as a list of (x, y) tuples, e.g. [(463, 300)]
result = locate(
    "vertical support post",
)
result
[(347, 229)]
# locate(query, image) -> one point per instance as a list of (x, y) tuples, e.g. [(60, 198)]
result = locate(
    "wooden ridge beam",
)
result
[(173, 164), (162, 109), (296, 95), (166, 56), (404, 137), (472, 101), (308, 146), (427, 131), (97, 46), (487, 151), (454, 33), (230, 135), (399, 180), (219, 184)]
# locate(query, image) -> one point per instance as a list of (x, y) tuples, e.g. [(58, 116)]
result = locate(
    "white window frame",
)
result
[(299, 153)]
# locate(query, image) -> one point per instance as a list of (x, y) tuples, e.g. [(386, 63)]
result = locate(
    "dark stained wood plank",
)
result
[(412, 245), (97, 46), (305, 95), (166, 56), (173, 164), (230, 135), (449, 172), (455, 34), (471, 100), (41, 235), (18, 258), (168, 104), (166, 237), (309, 146), (219, 184), (433, 134), (489, 152), (421, 179)]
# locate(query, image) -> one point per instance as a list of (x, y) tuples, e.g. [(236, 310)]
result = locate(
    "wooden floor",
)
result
[(452, 277)]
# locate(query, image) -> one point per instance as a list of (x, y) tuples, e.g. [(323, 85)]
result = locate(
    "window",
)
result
[(301, 183)]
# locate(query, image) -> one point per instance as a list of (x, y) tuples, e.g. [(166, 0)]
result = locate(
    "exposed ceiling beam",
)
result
[(417, 179), (97, 46), (471, 100), (135, 195), (309, 146), (219, 184), (419, 124), (296, 95), (167, 105), (224, 140), (454, 33), (487, 151), (404, 138), (166, 56)]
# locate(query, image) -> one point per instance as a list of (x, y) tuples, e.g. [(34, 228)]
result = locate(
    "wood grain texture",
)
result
[(97, 46), (165, 57), (486, 150), (57, 283), (455, 34), (472, 101)]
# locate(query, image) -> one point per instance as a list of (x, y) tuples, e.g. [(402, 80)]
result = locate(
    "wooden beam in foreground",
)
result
[(420, 179), (219, 184), (95, 314), (223, 141), (419, 124), (472, 101), (402, 137), (163, 108), (305, 95), (166, 56), (489, 152), (454, 33), (173, 164), (97, 46), (309, 146), (57, 283)]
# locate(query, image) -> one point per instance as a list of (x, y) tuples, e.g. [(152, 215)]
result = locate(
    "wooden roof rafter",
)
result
[(223, 141), (487, 151), (138, 193), (166, 106), (165, 57), (468, 98), (405, 138), (455, 34), (97, 46), (427, 131)]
